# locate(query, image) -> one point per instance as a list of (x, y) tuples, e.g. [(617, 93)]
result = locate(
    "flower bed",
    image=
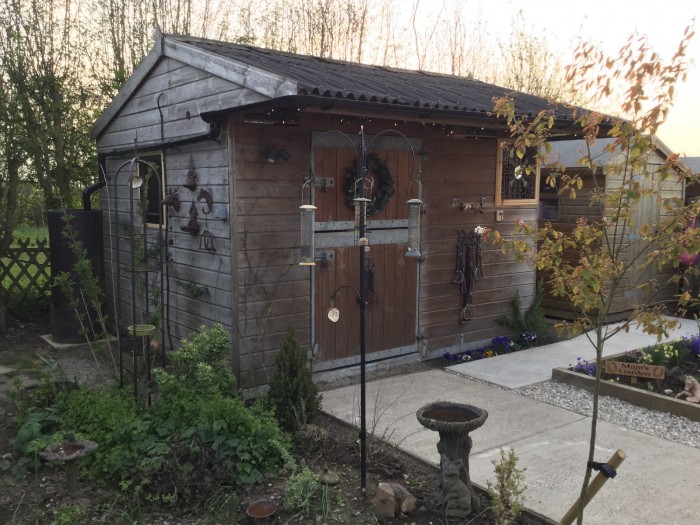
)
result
[(680, 358), (499, 345)]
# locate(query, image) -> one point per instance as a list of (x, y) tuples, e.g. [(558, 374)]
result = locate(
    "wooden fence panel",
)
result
[(26, 267)]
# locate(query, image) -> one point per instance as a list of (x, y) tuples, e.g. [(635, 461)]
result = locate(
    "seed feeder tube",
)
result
[(414, 213), (308, 250)]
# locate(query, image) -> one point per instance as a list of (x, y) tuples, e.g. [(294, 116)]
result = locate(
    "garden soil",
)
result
[(40, 496)]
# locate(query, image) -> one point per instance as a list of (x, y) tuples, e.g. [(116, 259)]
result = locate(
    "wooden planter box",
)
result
[(635, 396)]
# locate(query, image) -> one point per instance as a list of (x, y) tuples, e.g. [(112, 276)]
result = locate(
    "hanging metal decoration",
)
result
[(171, 199), (206, 241), (206, 195), (468, 268), (192, 226), (191, 177)]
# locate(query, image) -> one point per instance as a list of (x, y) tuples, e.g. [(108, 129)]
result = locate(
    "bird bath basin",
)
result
[(454, 496), (261, 510), (67, 452)]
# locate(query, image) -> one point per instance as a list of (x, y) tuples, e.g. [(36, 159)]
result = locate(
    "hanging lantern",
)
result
[(308, 250), (414, 212)]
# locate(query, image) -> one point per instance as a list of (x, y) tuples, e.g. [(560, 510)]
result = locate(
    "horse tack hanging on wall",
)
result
[(468, 269)]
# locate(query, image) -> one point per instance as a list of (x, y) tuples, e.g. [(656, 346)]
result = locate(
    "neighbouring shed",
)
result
[(248, 125), (563, 212), (692, 191)]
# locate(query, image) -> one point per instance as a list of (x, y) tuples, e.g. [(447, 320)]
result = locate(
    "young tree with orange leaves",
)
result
[(590, 266)]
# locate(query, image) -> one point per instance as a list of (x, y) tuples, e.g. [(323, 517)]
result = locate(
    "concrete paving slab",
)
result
[(656, 484), (534, 365), (56, 345)]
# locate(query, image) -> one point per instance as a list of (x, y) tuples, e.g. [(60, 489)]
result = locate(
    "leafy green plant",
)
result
[(201, 364), (525, 323), (83, 291), (72, 515), (293, 393), (302, 488), (507, 493), (222, 507), (664, 354)]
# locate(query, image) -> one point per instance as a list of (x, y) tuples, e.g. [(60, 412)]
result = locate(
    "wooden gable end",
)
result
[(180, 93)]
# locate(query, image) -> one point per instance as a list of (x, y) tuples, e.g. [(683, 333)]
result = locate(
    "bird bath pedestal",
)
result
[(455, 496), (67, 452)]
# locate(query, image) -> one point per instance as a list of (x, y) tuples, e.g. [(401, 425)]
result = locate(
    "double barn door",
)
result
[(391, 277)]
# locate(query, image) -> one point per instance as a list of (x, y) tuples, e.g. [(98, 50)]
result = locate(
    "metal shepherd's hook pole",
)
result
[(363, 307)]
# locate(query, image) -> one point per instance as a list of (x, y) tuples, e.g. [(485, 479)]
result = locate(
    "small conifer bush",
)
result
[(293, 394)]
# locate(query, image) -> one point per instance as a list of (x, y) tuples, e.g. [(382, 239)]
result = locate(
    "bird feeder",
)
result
[(308, 217), (414, 213)]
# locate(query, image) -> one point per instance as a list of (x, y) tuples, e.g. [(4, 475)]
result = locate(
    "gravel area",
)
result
[(660, 424)]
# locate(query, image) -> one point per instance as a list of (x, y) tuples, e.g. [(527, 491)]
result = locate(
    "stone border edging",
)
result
[(635, 396)]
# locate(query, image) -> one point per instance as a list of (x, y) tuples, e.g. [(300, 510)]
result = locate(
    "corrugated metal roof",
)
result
[(353, 81)]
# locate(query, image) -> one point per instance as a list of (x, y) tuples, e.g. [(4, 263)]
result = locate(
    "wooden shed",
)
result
[(249, 126), (563, 212)]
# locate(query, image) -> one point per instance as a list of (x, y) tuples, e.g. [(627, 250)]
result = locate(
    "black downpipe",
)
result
[(101, 182)]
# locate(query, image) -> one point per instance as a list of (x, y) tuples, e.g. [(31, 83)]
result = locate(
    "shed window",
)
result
[(152, 189), (517, 180)]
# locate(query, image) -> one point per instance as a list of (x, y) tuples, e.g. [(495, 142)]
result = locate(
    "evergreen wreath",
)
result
[(385, 180)]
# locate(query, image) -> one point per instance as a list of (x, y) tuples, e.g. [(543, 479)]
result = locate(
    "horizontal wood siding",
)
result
[(650, 211), (181, 93), (273, 290), (465, 169), (198, 281)]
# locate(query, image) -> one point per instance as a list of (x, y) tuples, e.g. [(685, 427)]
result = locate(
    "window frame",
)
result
[(501, 145), (157, 159)]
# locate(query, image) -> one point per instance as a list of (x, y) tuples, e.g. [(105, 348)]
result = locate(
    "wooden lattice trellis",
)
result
[(26, 267)]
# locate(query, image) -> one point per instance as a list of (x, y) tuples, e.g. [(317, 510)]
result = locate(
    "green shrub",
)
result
[(530, 321), (293, 394), (301, 489), (201, 363), (507, 494)]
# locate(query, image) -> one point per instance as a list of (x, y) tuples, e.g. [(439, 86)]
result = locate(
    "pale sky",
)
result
[(608, 23)]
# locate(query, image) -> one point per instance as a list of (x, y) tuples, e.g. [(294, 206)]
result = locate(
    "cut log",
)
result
[(392, 499)]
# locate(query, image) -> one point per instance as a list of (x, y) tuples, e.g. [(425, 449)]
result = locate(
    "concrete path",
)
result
[(534, 365), (658, 483)]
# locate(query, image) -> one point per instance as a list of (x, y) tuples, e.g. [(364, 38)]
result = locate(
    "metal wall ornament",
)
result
[(192, 226), (206, 195), (191, 183), (172, 200), (468, 268)]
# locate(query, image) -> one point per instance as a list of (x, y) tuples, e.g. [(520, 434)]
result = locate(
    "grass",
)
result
[(26, 297), (31, 232)]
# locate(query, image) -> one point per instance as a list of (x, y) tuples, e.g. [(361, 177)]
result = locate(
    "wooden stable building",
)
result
[(249, 126), (651, 286)]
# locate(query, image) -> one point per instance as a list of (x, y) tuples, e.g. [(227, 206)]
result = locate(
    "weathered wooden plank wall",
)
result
[(199, 281), (267, 200), (465, 169), (650, 211)]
